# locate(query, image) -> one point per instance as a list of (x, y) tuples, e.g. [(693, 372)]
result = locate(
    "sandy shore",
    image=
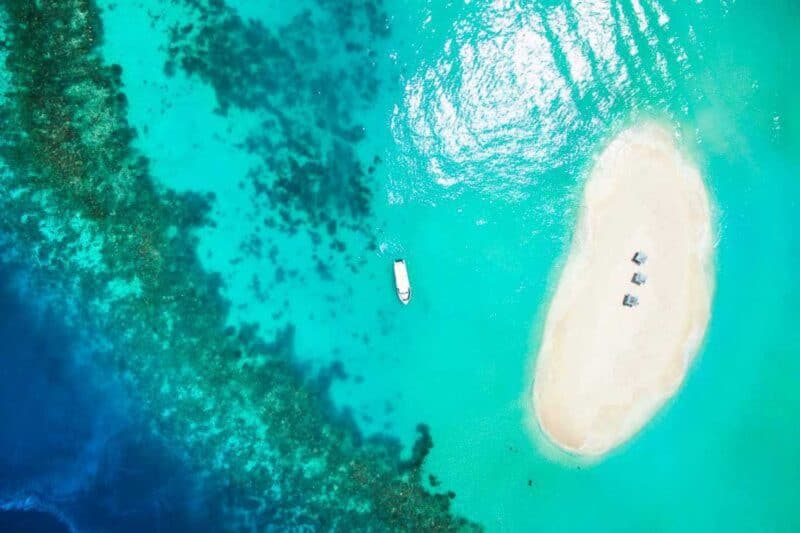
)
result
[(603, 370)]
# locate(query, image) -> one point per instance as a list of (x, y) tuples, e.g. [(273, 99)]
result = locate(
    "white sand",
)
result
[(603, 370)]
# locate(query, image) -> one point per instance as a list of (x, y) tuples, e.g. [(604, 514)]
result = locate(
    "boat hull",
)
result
[(401, 281)]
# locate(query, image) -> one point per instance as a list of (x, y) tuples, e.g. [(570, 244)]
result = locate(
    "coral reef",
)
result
[(303, 80), (79, 207)]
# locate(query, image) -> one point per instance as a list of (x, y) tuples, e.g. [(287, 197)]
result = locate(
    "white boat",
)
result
[(401, 281)]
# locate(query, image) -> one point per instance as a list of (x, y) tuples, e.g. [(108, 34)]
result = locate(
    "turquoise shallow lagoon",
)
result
[(458, 135)]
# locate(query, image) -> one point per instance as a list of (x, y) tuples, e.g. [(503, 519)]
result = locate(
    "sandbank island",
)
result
[(603, 368)]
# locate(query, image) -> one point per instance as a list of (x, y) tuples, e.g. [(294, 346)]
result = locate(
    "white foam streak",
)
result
[(627, 34), (579, 68), (596, 26), (663, 18), (641, 17)]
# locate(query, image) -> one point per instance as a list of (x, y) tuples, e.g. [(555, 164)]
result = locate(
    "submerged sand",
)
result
[(603, 370)]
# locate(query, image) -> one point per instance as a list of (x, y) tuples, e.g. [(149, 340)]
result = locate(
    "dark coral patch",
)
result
[(294, 78)]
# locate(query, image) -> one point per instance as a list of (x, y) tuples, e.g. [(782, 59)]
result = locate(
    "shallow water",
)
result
[(458, 136)]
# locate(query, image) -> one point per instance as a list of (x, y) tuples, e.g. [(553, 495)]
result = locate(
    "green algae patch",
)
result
[(80, 208)]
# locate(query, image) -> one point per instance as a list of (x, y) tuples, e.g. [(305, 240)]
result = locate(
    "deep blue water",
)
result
[(73, 450), (38, 521)]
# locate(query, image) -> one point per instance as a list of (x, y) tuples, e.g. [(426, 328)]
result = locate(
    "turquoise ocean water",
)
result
[(474, 125)]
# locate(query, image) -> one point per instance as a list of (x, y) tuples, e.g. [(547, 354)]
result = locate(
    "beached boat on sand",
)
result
[(401, 281)]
